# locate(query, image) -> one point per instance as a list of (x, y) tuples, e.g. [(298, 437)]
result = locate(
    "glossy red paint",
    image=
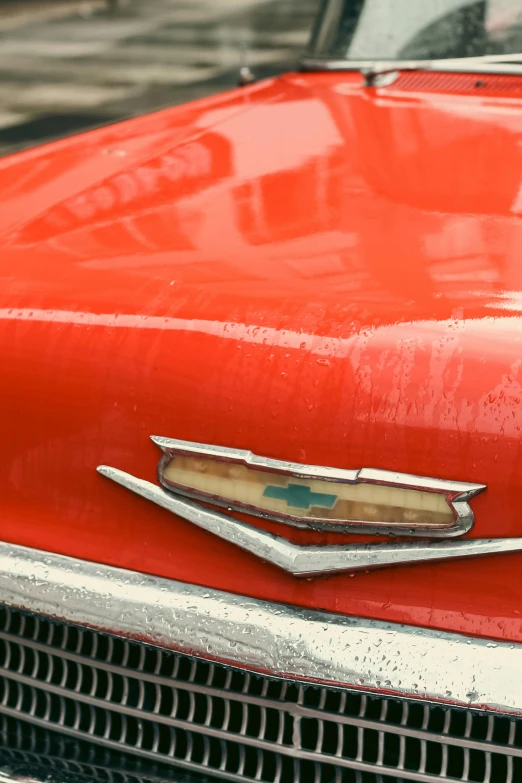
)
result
[(306, 268)]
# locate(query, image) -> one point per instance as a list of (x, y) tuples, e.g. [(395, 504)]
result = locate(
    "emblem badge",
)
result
[(358, 501), (366, 501)]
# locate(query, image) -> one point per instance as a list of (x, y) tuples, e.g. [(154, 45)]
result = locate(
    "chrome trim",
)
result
[(457, 493), (255, 635), (460, 65), (225, 712), (309, 560)]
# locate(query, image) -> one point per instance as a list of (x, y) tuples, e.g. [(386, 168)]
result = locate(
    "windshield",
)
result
[(417, 29)]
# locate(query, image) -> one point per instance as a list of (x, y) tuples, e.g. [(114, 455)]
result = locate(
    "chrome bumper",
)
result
[(264, 637)]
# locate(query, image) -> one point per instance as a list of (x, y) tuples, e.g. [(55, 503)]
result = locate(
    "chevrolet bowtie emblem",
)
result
[(358, 501), (297, 496)]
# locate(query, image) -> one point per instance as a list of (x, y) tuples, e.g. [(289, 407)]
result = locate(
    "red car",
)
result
[(261, 405)]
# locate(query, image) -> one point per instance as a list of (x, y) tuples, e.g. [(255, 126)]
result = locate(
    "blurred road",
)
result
[(66, 66)]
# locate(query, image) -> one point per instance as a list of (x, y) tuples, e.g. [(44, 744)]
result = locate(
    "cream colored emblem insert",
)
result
[(314, 496)]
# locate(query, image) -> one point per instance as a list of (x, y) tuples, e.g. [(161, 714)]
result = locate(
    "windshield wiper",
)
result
[(378, 73)]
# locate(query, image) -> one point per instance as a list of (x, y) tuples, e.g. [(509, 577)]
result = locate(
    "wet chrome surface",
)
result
[(311, 560), (261, 636), (107, 700)]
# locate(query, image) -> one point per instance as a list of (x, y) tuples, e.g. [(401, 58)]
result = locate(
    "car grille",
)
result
[(32, 767), (80, 696)]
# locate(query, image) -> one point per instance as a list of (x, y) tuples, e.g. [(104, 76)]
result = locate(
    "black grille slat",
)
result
[(187, 763), (116, 696), (295, 710), (208, 692)]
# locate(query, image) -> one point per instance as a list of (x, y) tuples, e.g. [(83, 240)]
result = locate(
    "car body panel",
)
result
[(304, 268)]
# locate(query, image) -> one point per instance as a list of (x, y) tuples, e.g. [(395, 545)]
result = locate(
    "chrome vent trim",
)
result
[(148, 705), (259, 636)]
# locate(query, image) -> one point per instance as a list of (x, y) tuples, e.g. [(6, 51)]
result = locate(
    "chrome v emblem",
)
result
[(306, 560)]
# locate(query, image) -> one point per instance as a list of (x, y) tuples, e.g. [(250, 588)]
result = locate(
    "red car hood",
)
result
[(306, 269)]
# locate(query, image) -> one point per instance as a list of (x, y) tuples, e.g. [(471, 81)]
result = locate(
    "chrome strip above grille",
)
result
[(73, 692), (265, 637)]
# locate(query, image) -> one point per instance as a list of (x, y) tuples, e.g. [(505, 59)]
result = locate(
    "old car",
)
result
[(261, 405)]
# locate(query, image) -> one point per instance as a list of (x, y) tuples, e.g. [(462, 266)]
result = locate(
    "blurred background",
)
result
[(69, 65)]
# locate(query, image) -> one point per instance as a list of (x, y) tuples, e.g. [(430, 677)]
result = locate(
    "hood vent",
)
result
[(470, 83)]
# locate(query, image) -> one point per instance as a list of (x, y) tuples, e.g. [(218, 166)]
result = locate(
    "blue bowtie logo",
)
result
[(299, 496)]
